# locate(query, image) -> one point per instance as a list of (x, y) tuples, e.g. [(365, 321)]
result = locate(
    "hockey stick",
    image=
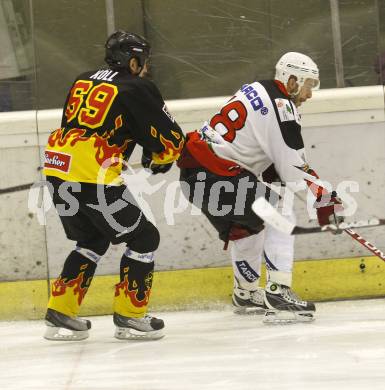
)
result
[(369, 246), (27, 186), (20, 187), (270, 215)]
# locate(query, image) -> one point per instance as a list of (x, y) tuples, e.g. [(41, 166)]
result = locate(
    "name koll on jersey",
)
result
[(104, 74)]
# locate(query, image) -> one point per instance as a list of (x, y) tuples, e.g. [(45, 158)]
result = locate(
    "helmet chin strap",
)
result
[(293, 95)]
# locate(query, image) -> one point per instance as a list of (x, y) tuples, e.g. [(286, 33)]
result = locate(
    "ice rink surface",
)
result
[(343, 349)]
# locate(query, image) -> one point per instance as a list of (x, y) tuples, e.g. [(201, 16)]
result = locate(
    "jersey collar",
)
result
[(281, 87)]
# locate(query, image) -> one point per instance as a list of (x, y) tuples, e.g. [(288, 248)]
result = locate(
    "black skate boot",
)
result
[(284, 306), (248, 302), (144, 328), (64, 328)]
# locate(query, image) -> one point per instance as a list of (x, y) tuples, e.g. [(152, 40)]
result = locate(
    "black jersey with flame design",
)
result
[(105, 115)]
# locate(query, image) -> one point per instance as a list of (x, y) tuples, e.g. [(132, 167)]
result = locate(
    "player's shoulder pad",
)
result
[(140, 86), (286, 114), (142, 82)]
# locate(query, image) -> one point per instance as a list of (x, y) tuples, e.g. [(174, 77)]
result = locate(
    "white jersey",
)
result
[(260, 126)]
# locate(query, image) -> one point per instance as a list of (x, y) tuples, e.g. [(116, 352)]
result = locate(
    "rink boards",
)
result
[(318, 280)]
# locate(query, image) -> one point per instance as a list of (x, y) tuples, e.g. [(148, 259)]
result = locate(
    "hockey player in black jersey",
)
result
[(257, 133), (107, 112)]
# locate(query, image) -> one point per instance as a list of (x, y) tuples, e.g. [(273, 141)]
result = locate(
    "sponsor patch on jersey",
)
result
[(285, 110), (246, 271), (165, 110), (58, 161)]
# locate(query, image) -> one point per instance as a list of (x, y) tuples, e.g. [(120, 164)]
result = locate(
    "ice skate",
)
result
[(284, 306), (61, 327), (144, 328), (248, 302)]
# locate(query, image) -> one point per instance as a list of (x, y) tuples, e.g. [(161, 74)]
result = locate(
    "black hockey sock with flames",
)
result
[(70, 288), (133, 292)]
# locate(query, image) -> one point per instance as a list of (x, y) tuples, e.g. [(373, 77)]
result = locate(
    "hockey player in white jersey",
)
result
[(257, 130)]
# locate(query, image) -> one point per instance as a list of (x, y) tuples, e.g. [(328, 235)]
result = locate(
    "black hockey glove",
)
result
[(270, 175), (149, 164)]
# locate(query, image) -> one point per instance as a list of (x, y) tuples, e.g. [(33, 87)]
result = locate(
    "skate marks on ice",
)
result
[(344, 348)]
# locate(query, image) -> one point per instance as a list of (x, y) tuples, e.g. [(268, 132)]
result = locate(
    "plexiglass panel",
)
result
[(23, 254), (17, 68)]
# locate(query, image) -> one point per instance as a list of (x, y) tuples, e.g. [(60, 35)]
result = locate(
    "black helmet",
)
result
[(121, 46)]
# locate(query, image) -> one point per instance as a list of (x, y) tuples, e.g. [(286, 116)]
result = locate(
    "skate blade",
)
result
[(287, 317), (55, 333), (249, 311), (133, 334)]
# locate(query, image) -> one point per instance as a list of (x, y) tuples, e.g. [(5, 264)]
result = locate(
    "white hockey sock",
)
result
[(246, 256), (279, 256)]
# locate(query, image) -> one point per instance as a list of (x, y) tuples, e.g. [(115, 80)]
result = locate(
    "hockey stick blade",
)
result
[(271, 216)]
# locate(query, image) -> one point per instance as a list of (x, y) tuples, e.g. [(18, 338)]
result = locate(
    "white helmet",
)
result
[(298, 65)]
